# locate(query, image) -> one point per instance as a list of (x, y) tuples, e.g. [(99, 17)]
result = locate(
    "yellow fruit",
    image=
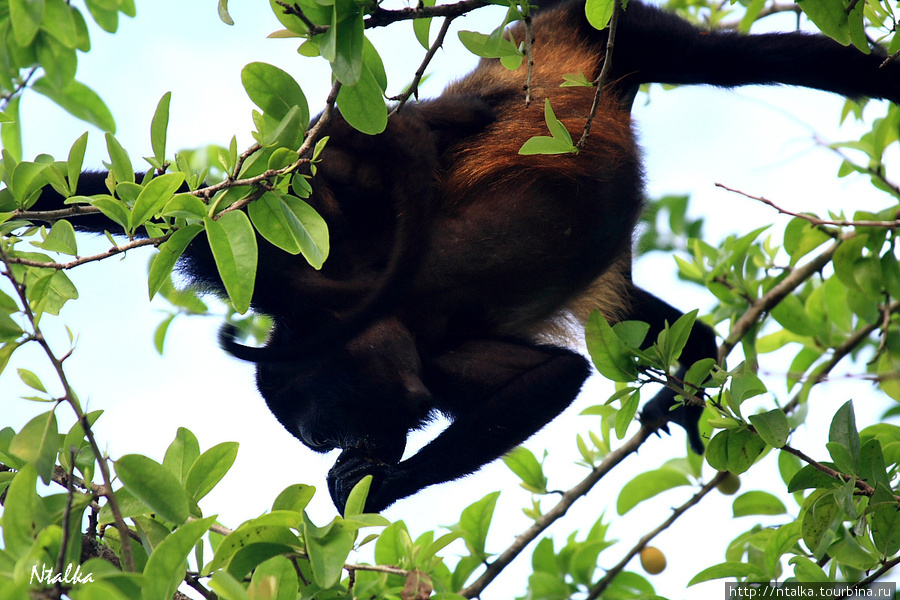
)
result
[(730, 485), (653, 560)]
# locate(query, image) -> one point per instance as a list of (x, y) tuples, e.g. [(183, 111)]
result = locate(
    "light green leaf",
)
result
[(26, 17), (80, 101), (292, 225), (233, 244), (38, 440), (362, 105), (599, 12), (647, 485), (210, 468), (155, 486), (757, 503), (525, 465), (181, 453), (159, 127), (608, 352), (154, 197), (169, 253), (274, 91)]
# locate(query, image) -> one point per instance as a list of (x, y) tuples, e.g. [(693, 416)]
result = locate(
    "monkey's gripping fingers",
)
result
[(658, 413), (351, 466)]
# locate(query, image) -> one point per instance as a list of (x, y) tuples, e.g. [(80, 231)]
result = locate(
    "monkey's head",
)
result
[(365, 398)]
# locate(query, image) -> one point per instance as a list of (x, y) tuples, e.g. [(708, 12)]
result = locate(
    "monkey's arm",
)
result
[(497, 393)]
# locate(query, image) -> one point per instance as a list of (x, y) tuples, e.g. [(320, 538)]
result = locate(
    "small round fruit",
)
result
[(730, 485), (653, 560)]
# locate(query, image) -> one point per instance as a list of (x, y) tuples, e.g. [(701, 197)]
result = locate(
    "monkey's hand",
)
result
[(351, 466)]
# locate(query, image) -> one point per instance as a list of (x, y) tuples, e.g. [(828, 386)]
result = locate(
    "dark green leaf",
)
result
[(772, 426)]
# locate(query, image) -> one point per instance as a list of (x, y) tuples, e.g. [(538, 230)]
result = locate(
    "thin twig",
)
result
[(381, 17), (776, 295), (604, 582), (528, 43), (312, 136), (603, 78), (86, 259), (557, 512), (815, 220), (67, 515), (420, 72), (72, 400)]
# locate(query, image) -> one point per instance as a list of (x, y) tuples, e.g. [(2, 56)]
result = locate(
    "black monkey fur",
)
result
[(454, 258)]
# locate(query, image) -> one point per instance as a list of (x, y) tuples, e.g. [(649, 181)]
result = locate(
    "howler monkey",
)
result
[(455, 257)]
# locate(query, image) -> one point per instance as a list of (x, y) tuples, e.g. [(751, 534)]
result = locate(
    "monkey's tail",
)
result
[(656, 46)]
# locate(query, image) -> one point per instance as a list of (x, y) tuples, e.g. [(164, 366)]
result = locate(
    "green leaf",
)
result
[(26, 17), (421, 27), (820, 512), (745, 384), (830, 16), (278, 577), (181, 454), (165, 569), (726, 570), (757, 503), (38, 440), (114, 209), (772, 426), (24, 514), (292, 225), (608, 352), (169, 253), (223, 12), (542, 144), (61, 238), (233, 244), (599, 12), (349, 40), (121, 167), (154, 197), (76, 161), (475, 521), (523, 463), (59, 21), (260, 532), (362, 105), (328, 548), (843, 432), (356, 501), (734, 450), (647, 485), (210, 468), (80, 101), (155, 486), (809, 477), (159, 127), (885, 521), (274, 91)]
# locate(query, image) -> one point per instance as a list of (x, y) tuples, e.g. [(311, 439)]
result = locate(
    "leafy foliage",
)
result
[(820, 291)]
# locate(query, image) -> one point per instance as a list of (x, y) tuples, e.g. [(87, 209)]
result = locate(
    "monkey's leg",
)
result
[(701, 344), (497, 393)]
